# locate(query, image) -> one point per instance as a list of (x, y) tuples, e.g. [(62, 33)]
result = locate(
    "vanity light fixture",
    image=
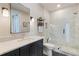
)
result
[(32, 19), (58, 5), (5, 12)]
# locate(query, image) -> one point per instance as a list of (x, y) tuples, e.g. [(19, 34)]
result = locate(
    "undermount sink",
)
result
[(52, 46), (22, 39), (49, 45)]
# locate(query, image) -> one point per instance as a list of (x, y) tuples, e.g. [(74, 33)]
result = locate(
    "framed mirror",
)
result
[(19, 18)]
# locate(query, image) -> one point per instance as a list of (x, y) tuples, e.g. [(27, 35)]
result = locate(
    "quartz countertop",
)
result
[(69, 51), (10, 45), (63, 49)]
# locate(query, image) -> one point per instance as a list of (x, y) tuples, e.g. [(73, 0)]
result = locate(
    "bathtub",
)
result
[(49, 49)]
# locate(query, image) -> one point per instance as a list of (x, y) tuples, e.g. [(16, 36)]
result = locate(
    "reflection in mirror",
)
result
[(5, 11), (20, 18)]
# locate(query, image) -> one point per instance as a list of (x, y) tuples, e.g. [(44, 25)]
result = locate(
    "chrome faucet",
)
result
[(47, 40)]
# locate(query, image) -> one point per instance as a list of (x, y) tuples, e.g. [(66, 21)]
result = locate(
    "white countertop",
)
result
[(10, 45), (63, 49), (70, 51)]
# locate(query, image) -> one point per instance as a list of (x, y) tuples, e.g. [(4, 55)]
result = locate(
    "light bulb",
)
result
[(58, 5)]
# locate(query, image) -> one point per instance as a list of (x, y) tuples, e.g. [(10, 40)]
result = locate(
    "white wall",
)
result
[(47, 20), (36, 11), (4, 21), (58, 20)]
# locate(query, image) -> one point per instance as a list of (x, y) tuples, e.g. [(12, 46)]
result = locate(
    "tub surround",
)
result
[(8, 46)]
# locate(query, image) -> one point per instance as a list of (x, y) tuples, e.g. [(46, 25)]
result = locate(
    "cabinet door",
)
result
[(12, 53), (38, 51), (32, 50), (39, 48), (36, 48), (24, 51)]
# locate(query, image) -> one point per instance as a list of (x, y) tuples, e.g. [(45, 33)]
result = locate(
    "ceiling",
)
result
[(53, 6)]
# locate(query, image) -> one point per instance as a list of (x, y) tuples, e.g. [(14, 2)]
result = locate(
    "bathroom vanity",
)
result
[(22, 47)]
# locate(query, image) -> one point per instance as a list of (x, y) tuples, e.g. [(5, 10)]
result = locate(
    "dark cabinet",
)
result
[(36, 51), (36, 48), (24, 51), (33, 49)]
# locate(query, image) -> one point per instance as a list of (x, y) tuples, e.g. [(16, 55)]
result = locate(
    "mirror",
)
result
[(20, 18)]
